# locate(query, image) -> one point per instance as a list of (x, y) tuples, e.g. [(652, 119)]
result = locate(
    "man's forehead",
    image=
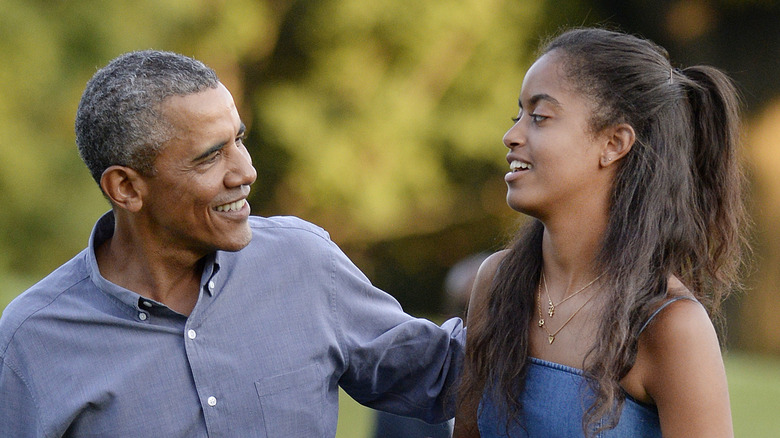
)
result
[(212, 103)]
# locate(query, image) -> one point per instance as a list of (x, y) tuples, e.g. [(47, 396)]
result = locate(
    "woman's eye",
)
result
[(538, 118), (515, 119)]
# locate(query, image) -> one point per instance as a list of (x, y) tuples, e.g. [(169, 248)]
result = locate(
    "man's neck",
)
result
[(161, 274)]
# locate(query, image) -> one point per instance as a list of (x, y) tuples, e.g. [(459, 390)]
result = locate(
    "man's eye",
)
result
[(213, 157)]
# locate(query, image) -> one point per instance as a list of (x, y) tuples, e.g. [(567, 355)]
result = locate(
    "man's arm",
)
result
[(394, 362)]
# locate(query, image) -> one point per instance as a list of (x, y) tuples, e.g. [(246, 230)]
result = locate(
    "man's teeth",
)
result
[(233, 206), (516, 166)]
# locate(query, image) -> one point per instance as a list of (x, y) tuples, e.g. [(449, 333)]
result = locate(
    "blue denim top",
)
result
[(553, 406), (554, 400)]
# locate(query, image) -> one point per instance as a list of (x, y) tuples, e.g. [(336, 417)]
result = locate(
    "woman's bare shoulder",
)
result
[(491, 263), (683, 370), (480, 292)]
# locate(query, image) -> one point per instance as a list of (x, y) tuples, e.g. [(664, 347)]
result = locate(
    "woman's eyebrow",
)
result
[(535, 99), (544, 97)]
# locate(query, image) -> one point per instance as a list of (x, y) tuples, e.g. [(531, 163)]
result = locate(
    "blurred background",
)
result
[(381, 121)]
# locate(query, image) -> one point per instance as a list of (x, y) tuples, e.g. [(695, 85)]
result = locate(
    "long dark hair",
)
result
[(676, 209)]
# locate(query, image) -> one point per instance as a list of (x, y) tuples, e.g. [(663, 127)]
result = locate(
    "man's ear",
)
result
[(620, 139), (124, 187)]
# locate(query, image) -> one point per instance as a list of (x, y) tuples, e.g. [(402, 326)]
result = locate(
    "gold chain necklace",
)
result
[(551, 336), (551, 305)]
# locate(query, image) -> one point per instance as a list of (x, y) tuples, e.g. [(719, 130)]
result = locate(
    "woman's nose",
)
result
[(515, 136)]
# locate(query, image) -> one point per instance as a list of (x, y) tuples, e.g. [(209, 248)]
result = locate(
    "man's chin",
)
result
[(239, 243)]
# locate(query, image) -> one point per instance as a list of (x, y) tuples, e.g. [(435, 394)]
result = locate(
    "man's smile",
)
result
[(231, 206)]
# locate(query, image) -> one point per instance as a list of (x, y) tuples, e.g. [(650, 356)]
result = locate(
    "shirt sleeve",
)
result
[(395, 363), (18, 411)]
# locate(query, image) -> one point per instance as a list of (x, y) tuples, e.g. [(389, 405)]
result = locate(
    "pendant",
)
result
[(550, 338), (550, 309), (541, 323)]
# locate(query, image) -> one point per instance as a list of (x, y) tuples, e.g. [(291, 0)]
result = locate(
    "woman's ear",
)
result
[(124, 187), (620, 139)]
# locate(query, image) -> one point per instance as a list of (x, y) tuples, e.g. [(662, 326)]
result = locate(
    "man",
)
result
[(187, 317)]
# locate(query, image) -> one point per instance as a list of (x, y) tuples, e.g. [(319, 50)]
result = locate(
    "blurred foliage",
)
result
[(387, 113), (378, 120), (375, 120)]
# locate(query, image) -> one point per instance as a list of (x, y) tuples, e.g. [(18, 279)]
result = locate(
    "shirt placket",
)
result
[(198, 345)]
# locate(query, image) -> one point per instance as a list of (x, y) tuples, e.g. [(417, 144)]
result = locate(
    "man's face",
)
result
[(196, 199)]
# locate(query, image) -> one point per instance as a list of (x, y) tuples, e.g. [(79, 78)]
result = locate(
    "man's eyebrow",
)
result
[(217, 147), (535, 99)]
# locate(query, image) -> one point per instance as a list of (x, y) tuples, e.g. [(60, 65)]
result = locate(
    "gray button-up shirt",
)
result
[(278, 326)]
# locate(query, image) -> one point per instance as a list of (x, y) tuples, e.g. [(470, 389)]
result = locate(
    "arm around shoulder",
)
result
[(392, 361), (684, 372)]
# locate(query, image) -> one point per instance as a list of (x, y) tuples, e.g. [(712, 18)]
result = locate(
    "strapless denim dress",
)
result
[(554, 400)]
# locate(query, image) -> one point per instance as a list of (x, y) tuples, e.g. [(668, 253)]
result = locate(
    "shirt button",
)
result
[(211, 285), (142, 316), (212, 401), (147, 304), (191, 334)]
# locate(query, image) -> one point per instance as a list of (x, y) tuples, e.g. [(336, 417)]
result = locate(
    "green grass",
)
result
[(754, 388), (355, 420)]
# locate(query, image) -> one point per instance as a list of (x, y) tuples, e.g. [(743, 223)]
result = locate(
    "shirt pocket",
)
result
[(292, 403)]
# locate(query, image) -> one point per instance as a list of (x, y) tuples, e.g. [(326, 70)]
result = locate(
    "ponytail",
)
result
[(719, 183)]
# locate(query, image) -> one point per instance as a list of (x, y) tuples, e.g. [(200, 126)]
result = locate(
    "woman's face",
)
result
[(554, 157)]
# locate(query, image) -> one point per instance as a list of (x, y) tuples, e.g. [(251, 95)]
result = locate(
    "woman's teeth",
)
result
[(517, 166)]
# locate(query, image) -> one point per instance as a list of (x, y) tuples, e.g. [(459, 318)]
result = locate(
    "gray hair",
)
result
[(118, 121)]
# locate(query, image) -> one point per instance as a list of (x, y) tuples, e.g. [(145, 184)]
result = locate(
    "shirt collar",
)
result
[(102, 231), (210, 270)]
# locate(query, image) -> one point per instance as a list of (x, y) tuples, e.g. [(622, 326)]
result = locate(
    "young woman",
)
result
[(596, 320)]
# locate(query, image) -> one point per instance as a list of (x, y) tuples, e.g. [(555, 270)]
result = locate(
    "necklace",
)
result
[(551, 305), (551, 336)]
